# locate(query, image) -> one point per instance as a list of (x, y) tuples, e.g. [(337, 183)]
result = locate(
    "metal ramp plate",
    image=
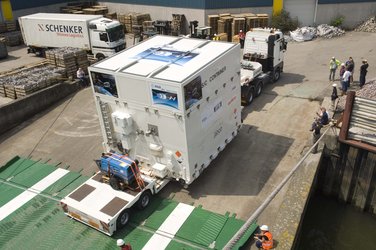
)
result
[(40, 223)]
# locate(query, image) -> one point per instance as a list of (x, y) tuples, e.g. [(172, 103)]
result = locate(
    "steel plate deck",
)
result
[(41, 224)]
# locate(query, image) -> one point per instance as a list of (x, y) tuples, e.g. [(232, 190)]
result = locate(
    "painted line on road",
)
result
[(31, 192), (169, 228)]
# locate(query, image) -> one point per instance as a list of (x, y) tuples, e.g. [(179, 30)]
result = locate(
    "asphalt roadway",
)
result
[(274, 134)]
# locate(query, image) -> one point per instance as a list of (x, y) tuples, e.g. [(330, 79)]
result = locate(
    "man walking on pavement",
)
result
[(333, 65), (363, 73), (241, 38), (350, 67)]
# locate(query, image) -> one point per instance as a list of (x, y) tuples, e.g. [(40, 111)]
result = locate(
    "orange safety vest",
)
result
[(268, 244)]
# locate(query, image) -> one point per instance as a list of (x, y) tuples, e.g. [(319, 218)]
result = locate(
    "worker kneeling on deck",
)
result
[(264, 240)]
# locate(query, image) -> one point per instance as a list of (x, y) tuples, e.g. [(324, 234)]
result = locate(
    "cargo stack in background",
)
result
[(263, 20), (10, 34), (178, 24), (76, 7), (225, 25), (3, 49), (137, 20), (68, 59), (22, 82), (96, 10), (213, 23), (238, 23)]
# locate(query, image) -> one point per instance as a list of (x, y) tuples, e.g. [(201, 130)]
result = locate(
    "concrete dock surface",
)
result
[(274, 135)]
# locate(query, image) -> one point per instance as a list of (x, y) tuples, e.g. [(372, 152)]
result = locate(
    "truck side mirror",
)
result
[(103, 37)]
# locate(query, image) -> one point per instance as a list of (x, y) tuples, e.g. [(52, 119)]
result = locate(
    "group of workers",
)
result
[(346, 72), (264, 240)]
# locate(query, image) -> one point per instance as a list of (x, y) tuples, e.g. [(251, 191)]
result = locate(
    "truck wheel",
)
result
[(250, 96), (123, 219), (99, 56), (114, 183), (259, 88), (276, 75), (144, 200)]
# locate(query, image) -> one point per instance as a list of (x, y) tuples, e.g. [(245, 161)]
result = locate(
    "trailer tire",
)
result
[(144, 200), (250, 96), (276, 74), (259, 88), (114, 183), (123, 219)]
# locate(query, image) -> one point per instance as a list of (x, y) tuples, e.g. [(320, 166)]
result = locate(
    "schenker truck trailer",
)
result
[(167, 107), (98, 35)]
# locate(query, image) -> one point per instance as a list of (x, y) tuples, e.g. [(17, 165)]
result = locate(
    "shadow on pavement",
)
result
[(231, 173)]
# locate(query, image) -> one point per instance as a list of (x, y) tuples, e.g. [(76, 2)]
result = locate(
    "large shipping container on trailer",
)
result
[(172, 103), (94, 33)]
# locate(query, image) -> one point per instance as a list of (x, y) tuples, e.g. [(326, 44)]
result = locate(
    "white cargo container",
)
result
[(94, 33), (172, 103)]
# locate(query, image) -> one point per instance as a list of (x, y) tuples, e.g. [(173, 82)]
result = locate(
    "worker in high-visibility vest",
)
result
[(264, 240)]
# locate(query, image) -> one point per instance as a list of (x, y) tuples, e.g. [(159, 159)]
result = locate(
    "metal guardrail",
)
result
[(267, 201)]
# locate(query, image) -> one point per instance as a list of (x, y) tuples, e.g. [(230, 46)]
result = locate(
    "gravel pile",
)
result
[(327, 31), (368, 26), (368, 91), (309, 33)]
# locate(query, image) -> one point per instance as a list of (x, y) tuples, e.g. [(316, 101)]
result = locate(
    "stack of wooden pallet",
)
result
[(231, 24), (11, 25), (25, 81), (147, 26), (177, 24), (137, 21), (213, 23), (81, 59), (111, 15), (263, 20), (238, 23), (68, 59), (13, 38), (50, 56), (251, 21), (3, 27), (96, 10), (225, 26)]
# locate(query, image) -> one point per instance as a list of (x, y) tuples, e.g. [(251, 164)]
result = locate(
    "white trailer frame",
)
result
[(101, 207)]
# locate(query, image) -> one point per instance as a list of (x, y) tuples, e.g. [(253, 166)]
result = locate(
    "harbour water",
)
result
[(330, 225)]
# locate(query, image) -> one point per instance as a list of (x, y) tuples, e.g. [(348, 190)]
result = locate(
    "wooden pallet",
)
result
[(238, 23), (10, 91), (2, 91)]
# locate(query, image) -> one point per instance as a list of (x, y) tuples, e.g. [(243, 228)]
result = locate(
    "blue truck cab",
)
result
[(118, 166)]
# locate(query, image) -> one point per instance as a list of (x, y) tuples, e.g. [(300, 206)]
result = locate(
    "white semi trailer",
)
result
[(98, 35), (171, 104)]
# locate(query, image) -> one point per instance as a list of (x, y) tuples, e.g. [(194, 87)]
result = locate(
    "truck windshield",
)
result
[(116, 33)]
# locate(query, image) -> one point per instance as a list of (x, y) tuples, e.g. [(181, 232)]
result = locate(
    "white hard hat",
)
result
[(333, 57), (241, 30), (120, 242), (334, 85), (342, 64), (264, 228)]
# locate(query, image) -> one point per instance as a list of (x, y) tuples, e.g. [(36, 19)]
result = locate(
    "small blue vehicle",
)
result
[(120, 171)]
